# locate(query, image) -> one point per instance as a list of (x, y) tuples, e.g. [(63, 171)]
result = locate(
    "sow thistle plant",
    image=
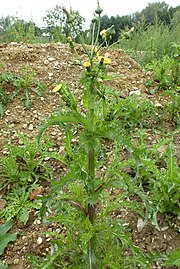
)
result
[(81, 201), (12, 81)]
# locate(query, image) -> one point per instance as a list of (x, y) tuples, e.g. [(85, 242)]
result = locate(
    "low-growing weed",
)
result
[(4, 101), (133, 112), (22, 172), (23, 164), (26, 83), (5, 96), (164, 191), (165, 73), (19, 203), (152, 175), (171, 110), (10, 81)]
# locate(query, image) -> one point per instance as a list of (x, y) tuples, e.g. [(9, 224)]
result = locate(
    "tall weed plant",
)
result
[(81, 201)]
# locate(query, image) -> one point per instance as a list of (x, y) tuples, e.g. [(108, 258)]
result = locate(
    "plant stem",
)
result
[(91, 208), (90, 254), (91, 171), (91, 159)]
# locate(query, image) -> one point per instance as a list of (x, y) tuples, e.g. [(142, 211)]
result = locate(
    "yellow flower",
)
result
[(86, 64), (104, 60), (107, 60), (104, 33), (57, 88), (69, 39)]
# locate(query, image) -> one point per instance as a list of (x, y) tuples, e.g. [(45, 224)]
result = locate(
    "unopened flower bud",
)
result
[(111, 30), (98, 10), (65, 11), (95, 19), (71, 18)]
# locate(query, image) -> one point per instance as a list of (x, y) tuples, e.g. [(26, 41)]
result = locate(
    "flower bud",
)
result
[(95, 19), (71, 17), (111, 30), (98, 10), (100, 81)]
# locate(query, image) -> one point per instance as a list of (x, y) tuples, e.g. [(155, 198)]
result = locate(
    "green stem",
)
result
[(91, 208), (91, 177), (92, 41), (90, 254), (98, 31), (119, 40)]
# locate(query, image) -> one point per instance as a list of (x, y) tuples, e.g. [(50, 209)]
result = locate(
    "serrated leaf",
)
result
[(24, 216), (63, 118)]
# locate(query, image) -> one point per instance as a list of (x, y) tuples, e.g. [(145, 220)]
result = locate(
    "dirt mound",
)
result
[(53, 63)]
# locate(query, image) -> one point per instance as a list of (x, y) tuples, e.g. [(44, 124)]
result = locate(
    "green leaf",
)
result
[(76, 118), (4, 237), (6, 227), (24, 216), (173, 258)]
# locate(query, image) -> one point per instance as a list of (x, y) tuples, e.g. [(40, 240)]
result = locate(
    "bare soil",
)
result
[(52, 63)]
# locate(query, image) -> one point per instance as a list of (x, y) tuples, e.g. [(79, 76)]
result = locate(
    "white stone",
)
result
[(51, 59), (31, 127), (39, 240), (137, 92), (140, 225)]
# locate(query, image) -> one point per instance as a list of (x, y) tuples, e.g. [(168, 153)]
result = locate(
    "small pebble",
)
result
[(31, 127), (39, 240)]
